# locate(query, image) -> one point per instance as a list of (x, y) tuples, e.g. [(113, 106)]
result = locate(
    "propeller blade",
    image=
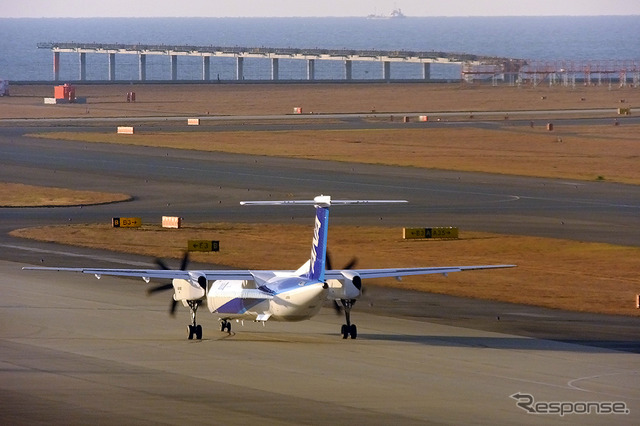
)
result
[(161, 264), (169, 286), (352, 263), (185, 261), (158, 288)]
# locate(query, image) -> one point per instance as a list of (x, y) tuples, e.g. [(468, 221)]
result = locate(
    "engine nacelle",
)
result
[(349, 287), (192, 289)]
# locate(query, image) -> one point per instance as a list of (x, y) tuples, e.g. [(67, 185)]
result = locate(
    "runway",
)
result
[(203, 187), (100, 351), (73, 348)]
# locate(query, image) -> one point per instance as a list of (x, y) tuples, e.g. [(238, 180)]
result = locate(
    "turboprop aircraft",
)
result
[(272, 295)]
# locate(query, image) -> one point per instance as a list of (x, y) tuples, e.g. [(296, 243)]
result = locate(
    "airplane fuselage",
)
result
[(280, 299)]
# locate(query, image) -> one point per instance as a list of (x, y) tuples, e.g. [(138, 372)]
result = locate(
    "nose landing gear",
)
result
[(225, 326)]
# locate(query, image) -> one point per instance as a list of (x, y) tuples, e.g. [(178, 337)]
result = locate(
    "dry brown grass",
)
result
[(19, 195), (268, 99), (561, 274)]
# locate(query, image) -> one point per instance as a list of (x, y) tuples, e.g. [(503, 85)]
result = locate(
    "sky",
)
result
[(298, 8)]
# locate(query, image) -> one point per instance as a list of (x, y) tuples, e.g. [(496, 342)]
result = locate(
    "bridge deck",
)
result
[(275, 53)]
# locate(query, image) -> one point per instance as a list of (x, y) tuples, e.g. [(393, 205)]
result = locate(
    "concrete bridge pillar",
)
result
[(426, 71), (206, 67), (112, 66), (174, 67), (274, 69), (56, 66), (311, 69), (347, 69), (83, 66), (239, 68), (386, 70), (142, 67)]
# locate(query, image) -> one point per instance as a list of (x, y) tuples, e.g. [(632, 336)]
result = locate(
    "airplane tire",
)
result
[(353, 331), (199, 332), (344, 331), (191, 332)]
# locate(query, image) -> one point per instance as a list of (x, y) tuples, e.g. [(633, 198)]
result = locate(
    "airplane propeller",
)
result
[(352, 263), (169, 286)]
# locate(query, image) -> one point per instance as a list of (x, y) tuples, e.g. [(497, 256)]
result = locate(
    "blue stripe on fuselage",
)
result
[(238, 305)]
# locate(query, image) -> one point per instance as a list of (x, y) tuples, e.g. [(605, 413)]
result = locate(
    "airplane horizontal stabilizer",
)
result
[(319, 201)]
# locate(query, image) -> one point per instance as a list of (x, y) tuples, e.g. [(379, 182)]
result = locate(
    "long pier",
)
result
[(311, 56)]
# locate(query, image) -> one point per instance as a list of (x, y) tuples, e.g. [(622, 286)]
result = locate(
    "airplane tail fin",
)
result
[(318, 259)]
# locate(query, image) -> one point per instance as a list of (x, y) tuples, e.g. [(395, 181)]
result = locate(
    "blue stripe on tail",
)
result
[(319, 248)]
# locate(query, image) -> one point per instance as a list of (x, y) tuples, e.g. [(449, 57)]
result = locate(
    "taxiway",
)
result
[(75, 350)]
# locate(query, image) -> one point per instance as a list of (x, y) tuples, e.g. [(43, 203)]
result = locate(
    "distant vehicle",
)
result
[(271, 294), (395, 14)]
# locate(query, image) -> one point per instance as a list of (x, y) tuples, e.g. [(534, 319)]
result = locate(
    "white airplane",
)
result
[(272, 295)]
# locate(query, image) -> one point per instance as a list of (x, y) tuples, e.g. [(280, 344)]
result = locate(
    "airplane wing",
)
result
[(147, 274), (401, 272), (232, 274)]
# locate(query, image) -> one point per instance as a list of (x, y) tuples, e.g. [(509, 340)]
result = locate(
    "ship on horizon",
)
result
[(395, 14)]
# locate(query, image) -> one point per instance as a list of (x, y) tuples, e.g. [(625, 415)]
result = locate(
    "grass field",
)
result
[(269, 99), (19, 195)]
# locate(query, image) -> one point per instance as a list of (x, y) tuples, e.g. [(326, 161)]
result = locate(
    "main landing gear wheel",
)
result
[(195, 331), (225, 326), (348, 329)]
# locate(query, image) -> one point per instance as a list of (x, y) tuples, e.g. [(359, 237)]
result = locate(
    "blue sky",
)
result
[(285, 8)]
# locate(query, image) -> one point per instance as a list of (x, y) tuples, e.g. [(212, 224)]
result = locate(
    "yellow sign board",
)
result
[(413, 233), (420, 233), (203, 245), (126, 222)]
